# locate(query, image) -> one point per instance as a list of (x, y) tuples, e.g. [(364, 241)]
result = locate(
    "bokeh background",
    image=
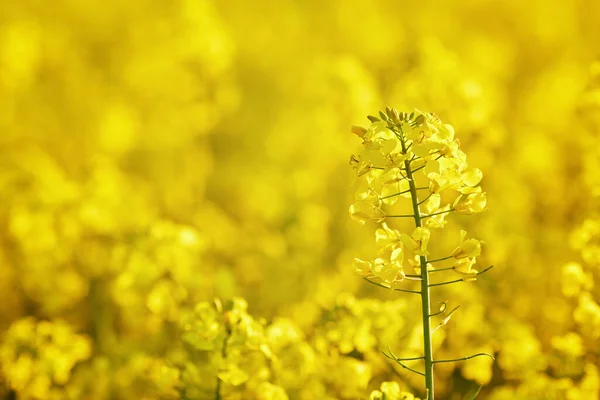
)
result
[(158, 155)]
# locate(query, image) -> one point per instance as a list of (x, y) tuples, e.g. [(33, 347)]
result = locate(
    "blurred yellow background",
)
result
[(156, 155)]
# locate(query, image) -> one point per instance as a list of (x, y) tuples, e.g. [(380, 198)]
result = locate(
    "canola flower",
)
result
[(418, 157), (157, 155)]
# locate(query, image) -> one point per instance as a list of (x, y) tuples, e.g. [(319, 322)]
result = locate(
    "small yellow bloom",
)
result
[(467, 248), (445, 132), (359, 131), (439, 220), (389, 271), (367, 208), (472, 177), (385, 236), (363, 211), (570, 344), (363, 268), (471, 204), (432, 204), (574, 280), (418, 241), (465, 265), (391, 391)]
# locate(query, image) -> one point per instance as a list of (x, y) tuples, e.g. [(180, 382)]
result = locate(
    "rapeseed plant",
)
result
[(415, 156)]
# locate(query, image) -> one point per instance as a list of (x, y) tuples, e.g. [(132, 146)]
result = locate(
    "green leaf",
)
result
[(472, 393)]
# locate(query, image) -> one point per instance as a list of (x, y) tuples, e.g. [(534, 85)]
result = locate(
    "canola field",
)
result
[(192, 199)]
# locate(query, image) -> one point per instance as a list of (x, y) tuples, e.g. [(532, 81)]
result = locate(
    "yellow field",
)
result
[(175, 190)]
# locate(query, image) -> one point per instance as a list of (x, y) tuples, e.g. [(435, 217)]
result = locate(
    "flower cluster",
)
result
[(227, 348), (400, 149), (391, 391), (404, 155), (37, 358)]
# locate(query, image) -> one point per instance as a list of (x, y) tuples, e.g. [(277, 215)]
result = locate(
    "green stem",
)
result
[(425, 297), (224, 355)]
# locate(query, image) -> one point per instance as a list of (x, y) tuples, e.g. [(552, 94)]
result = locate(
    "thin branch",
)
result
[(399, 375), (446, 320), (394, 195), (409, 368), (401, 174), (446, 283), (485, 270), (442, 309), (387, 287), (462, 279), (404, 365), (465, 358), (395, 358), (437, 213), (441, 269), (424, 165), (441, 259), (419, 168), (426, 198)]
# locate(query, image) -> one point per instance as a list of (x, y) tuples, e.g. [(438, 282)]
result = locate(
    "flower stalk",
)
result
[(390, 146), (218, 395)]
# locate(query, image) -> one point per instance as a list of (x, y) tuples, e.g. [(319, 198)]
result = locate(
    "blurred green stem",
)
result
[(224, 356)]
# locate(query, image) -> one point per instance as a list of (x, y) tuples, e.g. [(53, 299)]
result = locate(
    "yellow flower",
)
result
[(439, 220), (359, 131), (418, 241), (432, 204), (386, 236), (472, 177), (391, 391), (445, 132), (389, 271), (571, 344), (367, 208), (467, 248), (574, 280), (363, 211), (471, 204), (363, 268), (269, 391), (393, 183), (465, 265)]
